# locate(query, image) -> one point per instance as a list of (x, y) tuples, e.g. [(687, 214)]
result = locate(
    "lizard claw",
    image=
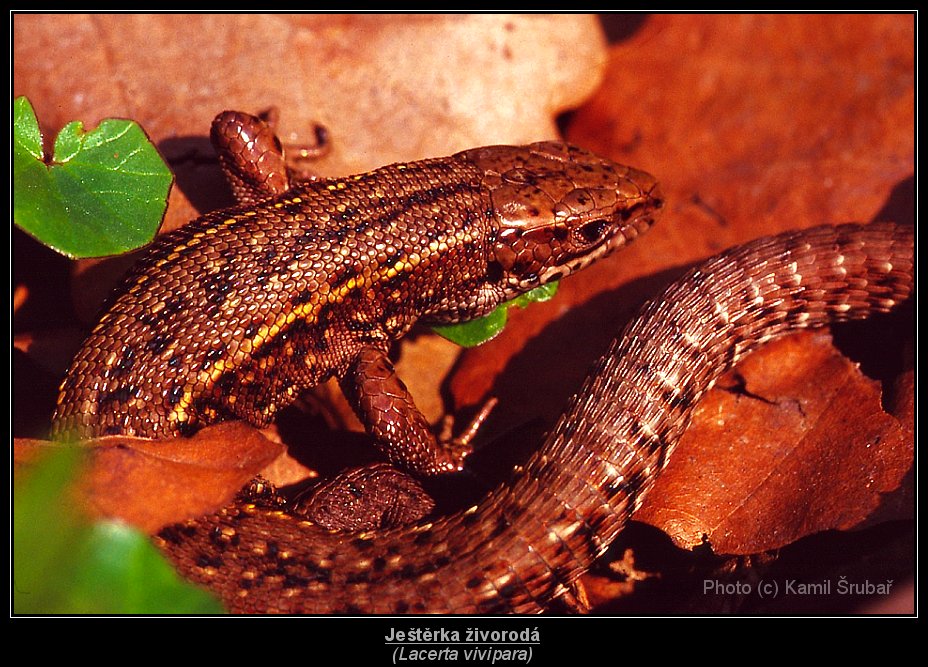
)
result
[(459, 447)]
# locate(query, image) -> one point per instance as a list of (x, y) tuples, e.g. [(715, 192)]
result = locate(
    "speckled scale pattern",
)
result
[(196, 331), (527, 541), (238, 312)]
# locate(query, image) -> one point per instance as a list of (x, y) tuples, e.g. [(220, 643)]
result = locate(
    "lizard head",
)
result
[(559, 208)]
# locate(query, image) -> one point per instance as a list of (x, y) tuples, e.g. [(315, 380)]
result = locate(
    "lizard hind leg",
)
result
[(250, 155), (300, 152), (371, 497), (253, 159)]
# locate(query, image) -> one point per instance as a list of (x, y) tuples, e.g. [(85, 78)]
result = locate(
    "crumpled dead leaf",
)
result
[(804, 447), (152, 483)]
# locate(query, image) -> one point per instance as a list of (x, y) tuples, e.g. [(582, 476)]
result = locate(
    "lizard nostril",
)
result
[(656, 195)]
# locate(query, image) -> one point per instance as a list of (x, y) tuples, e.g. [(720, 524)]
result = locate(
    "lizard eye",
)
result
[(592, 231)]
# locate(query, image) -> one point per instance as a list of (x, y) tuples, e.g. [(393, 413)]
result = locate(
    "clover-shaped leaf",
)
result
[(103, 192)]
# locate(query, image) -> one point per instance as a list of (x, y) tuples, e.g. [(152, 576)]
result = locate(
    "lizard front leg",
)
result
[(380, 495), (391, 417)]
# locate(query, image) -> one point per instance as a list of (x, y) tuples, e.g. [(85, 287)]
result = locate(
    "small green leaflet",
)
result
[(104, 192), (65, 564), (479, 331)]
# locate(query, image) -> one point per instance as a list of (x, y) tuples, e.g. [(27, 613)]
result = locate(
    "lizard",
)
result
[(529, 540), (236, 313)]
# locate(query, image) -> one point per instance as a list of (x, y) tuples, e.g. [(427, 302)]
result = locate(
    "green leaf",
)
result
[(541, 293), (475, 332), (480, 330), (104, 192), (121, 572), (64, 564)]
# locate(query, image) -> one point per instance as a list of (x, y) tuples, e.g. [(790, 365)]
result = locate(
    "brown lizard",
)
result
[(236, 313), (507, 219)]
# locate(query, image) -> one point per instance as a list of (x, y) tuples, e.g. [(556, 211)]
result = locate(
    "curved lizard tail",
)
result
[(529, 540)]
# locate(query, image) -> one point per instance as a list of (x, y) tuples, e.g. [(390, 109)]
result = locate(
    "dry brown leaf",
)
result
[(390, 87), (151, 483), (804, 447), (760, 123)]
